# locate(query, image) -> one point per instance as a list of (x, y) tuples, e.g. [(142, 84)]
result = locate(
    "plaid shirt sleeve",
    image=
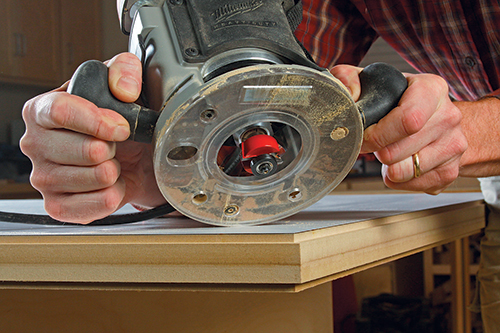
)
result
[(457, 40), (334, 32)]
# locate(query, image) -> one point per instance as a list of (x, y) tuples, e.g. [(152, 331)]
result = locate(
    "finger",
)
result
[(349, 76), (400, 151), (70, 148), (125, 77), (400, 172), (431, 182), (85, 207), (443, 129), (431, 157), (66, 148), (62, 110), (424, 96), (72, 179)]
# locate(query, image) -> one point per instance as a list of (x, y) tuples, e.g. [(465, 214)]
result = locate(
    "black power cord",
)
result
[(109, 220)]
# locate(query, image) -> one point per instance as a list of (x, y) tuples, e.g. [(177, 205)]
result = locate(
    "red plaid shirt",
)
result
[(458, 40)]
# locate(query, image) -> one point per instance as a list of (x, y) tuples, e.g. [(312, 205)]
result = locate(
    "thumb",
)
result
[(349, 76), (125, 77)]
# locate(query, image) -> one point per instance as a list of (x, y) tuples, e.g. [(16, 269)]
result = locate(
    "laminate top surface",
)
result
[(332, 210)]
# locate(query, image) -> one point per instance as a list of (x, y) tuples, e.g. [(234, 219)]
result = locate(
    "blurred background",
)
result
[(41, 44)]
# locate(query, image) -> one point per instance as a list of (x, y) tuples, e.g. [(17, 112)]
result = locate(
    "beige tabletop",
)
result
[(337, 236)]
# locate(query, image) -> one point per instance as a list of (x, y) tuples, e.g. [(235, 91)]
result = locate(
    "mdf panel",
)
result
[(166, 311)]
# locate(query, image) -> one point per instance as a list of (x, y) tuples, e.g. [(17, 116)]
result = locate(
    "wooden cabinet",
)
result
[(375, 185), (42, 42), (10, 190), (4, 40), (449, 279), (81, 35), (33, 39)]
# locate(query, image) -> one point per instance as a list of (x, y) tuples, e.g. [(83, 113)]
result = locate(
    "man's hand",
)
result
[(82, 164), (425, 122)]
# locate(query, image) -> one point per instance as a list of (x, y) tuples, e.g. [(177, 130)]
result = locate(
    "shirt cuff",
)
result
[(495, 93)]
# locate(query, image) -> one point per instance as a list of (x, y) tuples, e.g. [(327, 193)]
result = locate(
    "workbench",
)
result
[(173, 274)]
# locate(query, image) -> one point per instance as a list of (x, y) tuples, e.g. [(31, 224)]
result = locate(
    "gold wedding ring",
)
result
[(416, 166)]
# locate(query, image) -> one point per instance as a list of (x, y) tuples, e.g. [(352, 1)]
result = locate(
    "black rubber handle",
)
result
[(90, 81), (382, 86)]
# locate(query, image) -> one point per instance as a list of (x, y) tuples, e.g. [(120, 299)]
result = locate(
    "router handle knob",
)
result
[(90, 81), (382, 86)]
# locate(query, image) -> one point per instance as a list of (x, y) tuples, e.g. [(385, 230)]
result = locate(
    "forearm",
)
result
[(481, 125)]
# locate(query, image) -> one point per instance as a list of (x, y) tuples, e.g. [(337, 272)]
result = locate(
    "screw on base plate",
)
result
[(231, 210)]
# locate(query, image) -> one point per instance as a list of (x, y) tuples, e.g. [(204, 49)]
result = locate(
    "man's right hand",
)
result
[(82, 163), (425, 122)]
